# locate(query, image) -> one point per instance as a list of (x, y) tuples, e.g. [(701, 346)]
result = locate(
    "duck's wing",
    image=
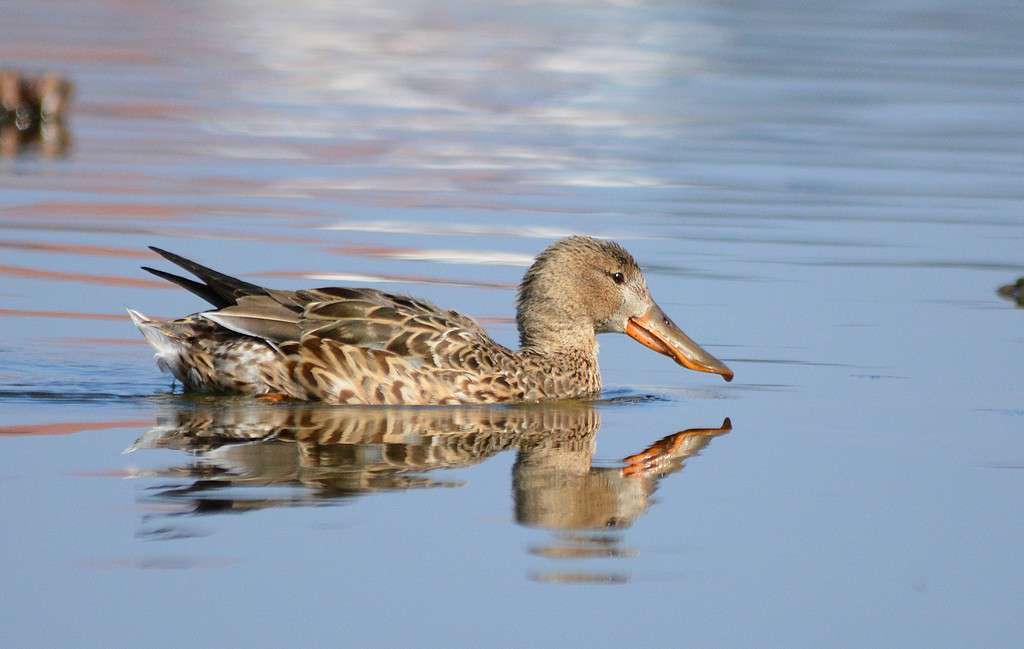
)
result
[(358, 317), (372, 319), (365, 346)]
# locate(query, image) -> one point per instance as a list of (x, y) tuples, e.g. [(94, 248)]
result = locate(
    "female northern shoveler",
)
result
[(362, 346)]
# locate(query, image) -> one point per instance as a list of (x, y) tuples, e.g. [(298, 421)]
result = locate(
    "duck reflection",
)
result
[(32, 111), (333, 453), (47, 139)]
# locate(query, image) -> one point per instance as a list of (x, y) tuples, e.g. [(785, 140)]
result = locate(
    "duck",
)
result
[(1014, 292), (362, 346)]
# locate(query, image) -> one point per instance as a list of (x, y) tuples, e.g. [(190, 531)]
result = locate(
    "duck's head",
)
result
[(581, 286)]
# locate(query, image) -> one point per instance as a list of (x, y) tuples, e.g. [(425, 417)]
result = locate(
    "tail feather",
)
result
[(226, 288), (168, 346), (202, 290)]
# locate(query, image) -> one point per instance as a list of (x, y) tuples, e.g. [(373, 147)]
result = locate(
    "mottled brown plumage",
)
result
[(363, 346)]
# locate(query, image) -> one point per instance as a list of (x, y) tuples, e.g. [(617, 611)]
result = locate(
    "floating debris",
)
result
[(32, 110), (1014, 292)]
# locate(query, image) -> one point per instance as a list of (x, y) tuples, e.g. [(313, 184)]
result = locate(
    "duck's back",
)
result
[(341, 345), (357, 346)]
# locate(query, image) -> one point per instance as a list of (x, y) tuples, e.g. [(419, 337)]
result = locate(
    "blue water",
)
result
[(826, 197)]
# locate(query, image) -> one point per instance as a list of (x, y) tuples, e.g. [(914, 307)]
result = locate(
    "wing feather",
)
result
[(368, 323), (259, 316)]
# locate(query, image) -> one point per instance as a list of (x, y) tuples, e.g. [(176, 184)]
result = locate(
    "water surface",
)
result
[(826, 198)]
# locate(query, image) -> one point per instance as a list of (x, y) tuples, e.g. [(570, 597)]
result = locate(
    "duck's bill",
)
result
[(656, 330)]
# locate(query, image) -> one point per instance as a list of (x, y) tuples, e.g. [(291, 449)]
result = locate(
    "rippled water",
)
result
[(825, 196)]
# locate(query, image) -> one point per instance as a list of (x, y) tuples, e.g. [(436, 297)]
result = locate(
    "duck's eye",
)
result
[(618, 278)]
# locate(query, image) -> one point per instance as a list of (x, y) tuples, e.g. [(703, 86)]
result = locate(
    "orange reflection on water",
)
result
[(137, 110), (77, 249), (105, 210), (68, 428), (103, 341), (71, 315), (107, 280), (35, 51), (137, 211)]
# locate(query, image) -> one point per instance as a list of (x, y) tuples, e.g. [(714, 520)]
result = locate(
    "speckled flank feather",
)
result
[(204, 356), (364, 346)]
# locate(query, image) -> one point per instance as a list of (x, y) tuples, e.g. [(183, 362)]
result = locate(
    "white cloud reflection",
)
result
[(572, 85)]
